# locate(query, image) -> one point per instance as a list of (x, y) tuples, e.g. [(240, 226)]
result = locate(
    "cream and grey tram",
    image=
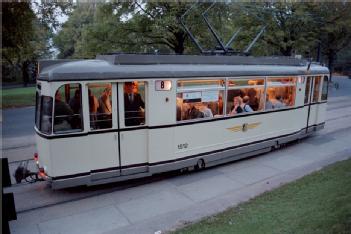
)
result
[(121, 117)]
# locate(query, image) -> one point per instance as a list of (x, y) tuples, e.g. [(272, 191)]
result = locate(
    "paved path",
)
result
[(171, 203)]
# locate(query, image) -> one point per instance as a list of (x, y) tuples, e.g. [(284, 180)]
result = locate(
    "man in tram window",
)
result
[(63, 114), (75, 104), (133, 104)]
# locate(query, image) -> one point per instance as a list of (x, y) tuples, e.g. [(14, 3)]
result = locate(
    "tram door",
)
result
[(133, 133), (312, 96), (102, 121)]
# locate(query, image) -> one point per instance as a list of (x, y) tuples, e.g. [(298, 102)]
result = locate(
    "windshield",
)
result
[(43, 113)]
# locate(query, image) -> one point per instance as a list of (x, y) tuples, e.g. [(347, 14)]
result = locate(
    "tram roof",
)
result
[(125, 67)]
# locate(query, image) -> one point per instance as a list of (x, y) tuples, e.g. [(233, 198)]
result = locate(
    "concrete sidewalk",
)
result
[(171, 203)]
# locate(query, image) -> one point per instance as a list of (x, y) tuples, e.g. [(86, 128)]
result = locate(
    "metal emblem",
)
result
[(245, 126)]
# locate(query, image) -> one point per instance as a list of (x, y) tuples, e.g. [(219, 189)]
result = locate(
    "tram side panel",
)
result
[(162, 112), (70, 156), (202, 138), (43, 150)]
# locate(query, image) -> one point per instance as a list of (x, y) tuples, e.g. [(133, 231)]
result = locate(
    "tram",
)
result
[(125, 116)]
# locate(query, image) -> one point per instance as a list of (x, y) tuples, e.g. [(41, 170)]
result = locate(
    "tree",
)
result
[(67, 38), (24, 39), (332, 21)]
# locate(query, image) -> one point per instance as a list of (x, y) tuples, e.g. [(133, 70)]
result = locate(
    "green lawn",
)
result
[(18, 97), (317, 203)]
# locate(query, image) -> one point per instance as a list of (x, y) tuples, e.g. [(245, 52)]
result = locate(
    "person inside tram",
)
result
[(278, 103), (236, 108), (133, 104), (105, 109), (193, 112), (205, 109), (253, 100), (75, 104), (220, 105), (62, 114), (93, 110), (269, 104), (246, 107)]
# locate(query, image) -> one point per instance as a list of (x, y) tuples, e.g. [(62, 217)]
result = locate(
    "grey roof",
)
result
[(147, 59), (103, 70)]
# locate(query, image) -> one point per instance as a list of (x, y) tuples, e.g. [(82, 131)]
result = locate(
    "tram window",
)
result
[(37, 109), (307, 90), (249, 100), (134, 103), (316, 86), (245, 95), (199, 99), (68, 108), (281, 93), (100, 105), (46, 115), (325, 88)]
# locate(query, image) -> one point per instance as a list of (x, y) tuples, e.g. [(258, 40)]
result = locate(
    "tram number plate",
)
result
[(163, 85), (183, 146)]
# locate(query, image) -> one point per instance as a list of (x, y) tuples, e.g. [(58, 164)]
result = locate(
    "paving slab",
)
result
[(94, 221), (253, 174), (153, 205), (205, 189)]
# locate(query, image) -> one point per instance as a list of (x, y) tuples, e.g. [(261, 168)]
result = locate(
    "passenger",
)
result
[(289, 101), (206, 111), (246, 107), (93, 110), (105, 109), (278, 102), (75, 104), (269, 104), (179, 108), (62, 114), (133, 105), (237, 109), (253, 100), (220, 104), (193, 112)]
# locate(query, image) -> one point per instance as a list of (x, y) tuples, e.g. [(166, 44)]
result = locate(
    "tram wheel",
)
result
[(200, 164)]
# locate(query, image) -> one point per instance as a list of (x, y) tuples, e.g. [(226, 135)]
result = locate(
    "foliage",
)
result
[(31, 29), (26, 35), (317, 203), (18, 97)]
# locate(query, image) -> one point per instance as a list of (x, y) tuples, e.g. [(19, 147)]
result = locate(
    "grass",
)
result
[(317, 203), (18, 97)]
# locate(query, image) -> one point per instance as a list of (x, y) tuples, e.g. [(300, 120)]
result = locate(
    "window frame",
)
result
[(294, 84), (314, 88), (121, 108), (246, 87), (113, 104), (68, 132), (325, 82), (219, 89)]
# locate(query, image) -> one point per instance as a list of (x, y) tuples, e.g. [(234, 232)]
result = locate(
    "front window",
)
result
[(46, 115), (68, 109)]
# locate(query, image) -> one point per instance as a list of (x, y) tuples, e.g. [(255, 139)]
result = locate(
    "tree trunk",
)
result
[(331, 59)]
